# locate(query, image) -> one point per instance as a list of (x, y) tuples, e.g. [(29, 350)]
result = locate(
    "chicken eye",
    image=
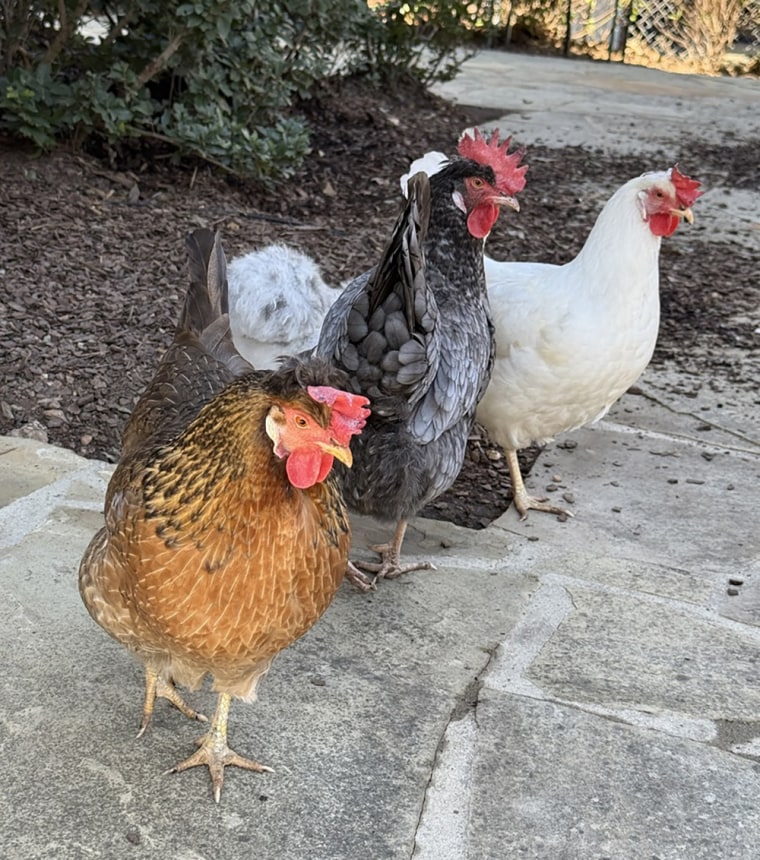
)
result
[(477, 183), (301, 421)]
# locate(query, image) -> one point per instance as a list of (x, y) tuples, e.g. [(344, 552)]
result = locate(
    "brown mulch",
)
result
[(92, 271)]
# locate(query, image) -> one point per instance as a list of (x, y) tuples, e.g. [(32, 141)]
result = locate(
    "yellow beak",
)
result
[(340, 452), (686, 214), (505, 200)]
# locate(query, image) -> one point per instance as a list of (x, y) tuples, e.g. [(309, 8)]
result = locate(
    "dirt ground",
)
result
[(92, 268)]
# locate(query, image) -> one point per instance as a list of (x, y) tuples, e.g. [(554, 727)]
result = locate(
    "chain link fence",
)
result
[(674, 29)]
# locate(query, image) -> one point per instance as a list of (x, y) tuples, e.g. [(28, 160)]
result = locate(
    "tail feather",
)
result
[(205, 312), (201, 360), (206, 298), (402, 267)]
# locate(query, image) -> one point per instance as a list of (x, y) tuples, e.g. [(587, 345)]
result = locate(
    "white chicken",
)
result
[(571, 339), (277, 301)]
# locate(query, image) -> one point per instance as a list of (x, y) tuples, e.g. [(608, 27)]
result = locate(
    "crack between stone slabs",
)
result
[(466, 704), (681, 439), (27, 513), (726, 735), (686, 414), (550, 604), (697, 610), (543, 617), (734, 733)]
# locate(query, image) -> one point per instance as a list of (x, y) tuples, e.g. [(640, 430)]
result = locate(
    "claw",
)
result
[(389, 567), (157, 687), (359, 580), (522, 501), (214, 752)]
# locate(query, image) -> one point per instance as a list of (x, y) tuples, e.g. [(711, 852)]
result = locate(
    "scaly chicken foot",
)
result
[(390, 566), (156, 686), (360, 581), (214, 752), (523, 501)]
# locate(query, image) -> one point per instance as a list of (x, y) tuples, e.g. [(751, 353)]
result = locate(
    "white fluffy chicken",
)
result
[(571, 339), (278, 300)]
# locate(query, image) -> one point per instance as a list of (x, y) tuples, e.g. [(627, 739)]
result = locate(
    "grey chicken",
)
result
[(415, 335)]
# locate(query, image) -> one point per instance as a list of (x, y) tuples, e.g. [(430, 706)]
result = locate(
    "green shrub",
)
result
[(212, 79)]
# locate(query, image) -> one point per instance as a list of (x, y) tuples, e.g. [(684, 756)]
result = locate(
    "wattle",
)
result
[(306, 468), (663, 224), (481, 220)]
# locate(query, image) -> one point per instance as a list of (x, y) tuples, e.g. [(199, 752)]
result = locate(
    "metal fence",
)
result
[(654, 24)]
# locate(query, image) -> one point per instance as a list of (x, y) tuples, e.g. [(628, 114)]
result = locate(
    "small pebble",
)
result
[(569, 498), (672, 480), (617, 510), (557, 479), (533, 537), (735, 580), (707, 455), (551, 488), (694, 481), (318, 680), (732, 591)]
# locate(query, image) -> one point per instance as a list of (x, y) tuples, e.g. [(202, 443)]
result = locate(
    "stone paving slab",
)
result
[(350, 717), (580, 786)]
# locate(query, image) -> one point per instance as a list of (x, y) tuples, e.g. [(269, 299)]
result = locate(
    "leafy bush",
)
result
[(212, 79), (426, 41)]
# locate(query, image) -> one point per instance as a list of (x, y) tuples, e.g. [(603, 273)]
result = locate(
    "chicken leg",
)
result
[(390, 566), (155, 686), (214, 752), (523, 501)]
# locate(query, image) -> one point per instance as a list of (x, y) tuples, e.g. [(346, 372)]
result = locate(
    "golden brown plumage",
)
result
[(211, 560)]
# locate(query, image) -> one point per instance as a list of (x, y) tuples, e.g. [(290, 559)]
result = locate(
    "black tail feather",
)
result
[(206, 299)]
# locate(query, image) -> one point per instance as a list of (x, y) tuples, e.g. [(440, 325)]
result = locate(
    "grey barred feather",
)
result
[(414, 335)]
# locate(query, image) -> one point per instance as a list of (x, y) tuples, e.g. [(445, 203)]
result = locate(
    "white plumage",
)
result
[(277, 300), (429, 163), (571, 339)]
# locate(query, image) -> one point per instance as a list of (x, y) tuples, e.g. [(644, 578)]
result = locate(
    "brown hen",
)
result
[(226, 536)]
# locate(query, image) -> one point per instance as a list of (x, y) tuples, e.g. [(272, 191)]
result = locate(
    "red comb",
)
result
[(687, 190), (349, 411), (510, 176)]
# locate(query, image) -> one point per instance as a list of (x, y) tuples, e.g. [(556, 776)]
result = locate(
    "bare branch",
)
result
[(68, 25), (159, 63)]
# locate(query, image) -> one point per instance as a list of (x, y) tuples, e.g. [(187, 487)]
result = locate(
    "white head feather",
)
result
[(430, 163)]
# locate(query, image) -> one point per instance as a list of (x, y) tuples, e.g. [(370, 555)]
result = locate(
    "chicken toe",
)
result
[(157, 687), (359, 580), (523, 501), (390, 567), (214, 752)]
